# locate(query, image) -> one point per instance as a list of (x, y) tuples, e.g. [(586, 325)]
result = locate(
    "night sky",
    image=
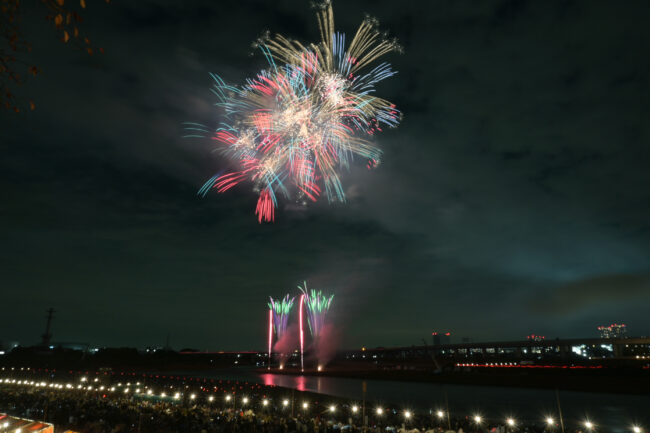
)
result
[(513, 199)]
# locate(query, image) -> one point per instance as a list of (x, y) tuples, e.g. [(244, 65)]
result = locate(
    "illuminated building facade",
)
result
[(615, 330)]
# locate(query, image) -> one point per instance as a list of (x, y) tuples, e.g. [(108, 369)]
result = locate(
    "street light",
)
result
[(305, 405), (440, 414), (192, 397), (510, 422), (589, 425), (285, 403), (355, 409), (228, 397), (636, 429), (332, 408), (211, 398), (477, 419), (380, 411), (407, 414), (265, 402), (550, 421), (244, 400)]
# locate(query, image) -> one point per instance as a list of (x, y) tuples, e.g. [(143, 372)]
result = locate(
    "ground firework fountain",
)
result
[(279, 311), (318, 305)]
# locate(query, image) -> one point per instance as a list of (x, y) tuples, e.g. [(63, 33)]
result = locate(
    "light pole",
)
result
[(379, 411), (477, 420), (559, 409)]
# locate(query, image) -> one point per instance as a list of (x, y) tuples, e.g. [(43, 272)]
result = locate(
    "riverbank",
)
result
[(616, 381)]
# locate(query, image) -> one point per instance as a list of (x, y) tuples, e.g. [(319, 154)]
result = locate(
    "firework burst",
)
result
[(296, 125)]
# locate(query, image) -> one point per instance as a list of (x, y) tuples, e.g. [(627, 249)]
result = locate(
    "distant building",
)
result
[(615, 330), (441, 338)]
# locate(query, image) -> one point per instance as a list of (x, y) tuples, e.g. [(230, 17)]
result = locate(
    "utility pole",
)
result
[(167, 346), (47, 336)]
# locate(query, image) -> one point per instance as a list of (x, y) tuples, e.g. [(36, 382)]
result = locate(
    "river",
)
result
[(610, 412)]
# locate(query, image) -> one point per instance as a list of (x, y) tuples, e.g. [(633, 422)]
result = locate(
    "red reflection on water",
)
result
[(300, 383), (269, 379), (297, 382)]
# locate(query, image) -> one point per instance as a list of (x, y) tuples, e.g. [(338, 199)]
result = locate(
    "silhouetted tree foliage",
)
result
[(63, 16)]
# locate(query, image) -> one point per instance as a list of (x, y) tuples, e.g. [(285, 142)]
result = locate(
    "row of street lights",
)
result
[(477, 419)]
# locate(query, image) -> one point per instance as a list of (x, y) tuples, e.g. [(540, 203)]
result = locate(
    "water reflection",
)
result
[(612, 412)]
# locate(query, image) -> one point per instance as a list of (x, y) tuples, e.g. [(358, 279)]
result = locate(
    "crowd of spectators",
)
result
[(114, 412)]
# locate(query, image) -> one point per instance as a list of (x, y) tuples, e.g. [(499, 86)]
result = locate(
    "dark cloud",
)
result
[(616, 291), (515, 191)]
